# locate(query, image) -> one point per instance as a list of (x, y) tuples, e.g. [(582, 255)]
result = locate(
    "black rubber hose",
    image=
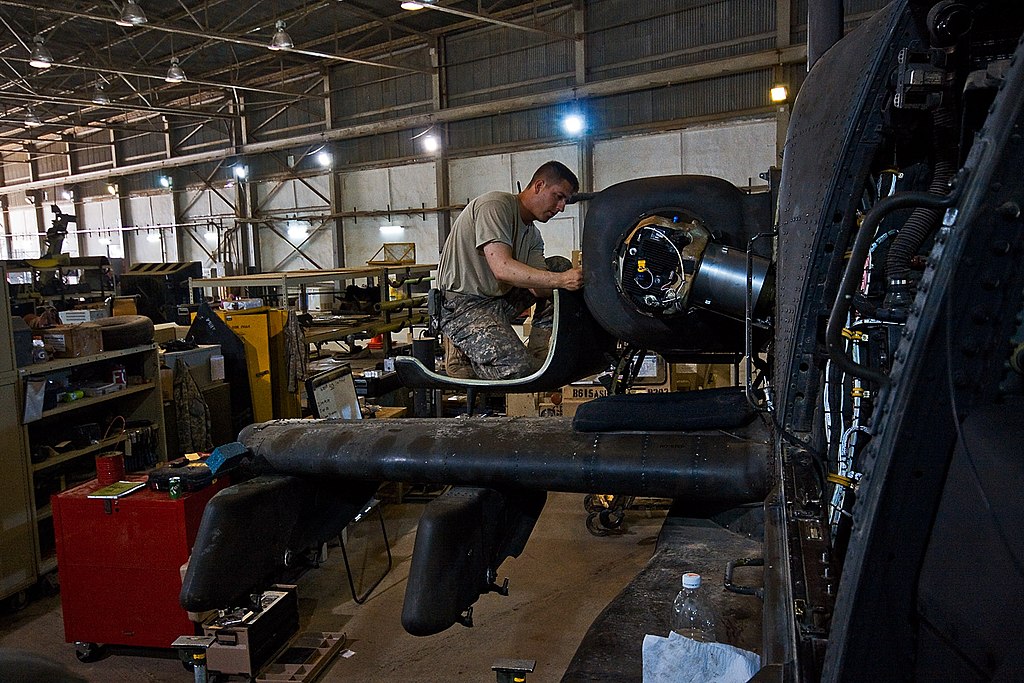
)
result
[(923, 220), (855, 268)]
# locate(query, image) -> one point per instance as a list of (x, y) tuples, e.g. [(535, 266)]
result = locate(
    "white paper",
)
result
[(678, 659)]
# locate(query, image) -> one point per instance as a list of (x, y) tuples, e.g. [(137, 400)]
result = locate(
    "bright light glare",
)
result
[(391, 229), (324, 159), (297, 230), (411, 6), (104, 241), (431, 143), (67, 195), (241, 171), (573, 124), (779, 93), (165, 181), (210, 235), (153, 237)]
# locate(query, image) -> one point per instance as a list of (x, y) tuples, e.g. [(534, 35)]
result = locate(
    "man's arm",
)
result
[(507, 269)]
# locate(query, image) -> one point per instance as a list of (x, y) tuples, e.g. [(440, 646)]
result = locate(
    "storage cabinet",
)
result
[(119, 563), (61, 441)]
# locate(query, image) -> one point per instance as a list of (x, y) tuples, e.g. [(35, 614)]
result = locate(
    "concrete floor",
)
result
[(563, 579)]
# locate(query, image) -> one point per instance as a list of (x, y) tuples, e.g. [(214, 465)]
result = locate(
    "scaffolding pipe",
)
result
[(397, 304)]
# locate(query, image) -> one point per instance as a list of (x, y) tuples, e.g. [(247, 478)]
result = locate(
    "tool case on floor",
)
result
[(194, 475)]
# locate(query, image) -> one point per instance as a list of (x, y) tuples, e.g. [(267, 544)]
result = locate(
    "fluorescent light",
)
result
[(281, 39), (391, 229), (779, 93), (104, 241), (574, 124), (40, 57), (153, 237), (411, 6)]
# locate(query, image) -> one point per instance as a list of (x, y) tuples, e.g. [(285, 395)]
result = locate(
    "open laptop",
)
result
[(332, 393)]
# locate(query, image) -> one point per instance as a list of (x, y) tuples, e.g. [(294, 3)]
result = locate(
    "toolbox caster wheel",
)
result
[(16, 602), (88, 652)]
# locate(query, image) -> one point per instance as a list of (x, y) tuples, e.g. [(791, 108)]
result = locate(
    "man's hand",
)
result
[(507, 269), (571, 279)]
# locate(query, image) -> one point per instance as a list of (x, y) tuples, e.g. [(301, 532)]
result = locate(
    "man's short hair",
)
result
[(556, 172)]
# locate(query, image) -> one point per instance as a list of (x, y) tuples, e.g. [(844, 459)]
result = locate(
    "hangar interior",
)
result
[(220, 223)]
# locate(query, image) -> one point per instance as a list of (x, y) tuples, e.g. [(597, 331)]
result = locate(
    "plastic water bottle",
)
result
[(692, 613)]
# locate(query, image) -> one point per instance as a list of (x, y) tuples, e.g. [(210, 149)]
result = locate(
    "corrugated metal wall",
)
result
[(499, 62), (366, 94), (627, 37)]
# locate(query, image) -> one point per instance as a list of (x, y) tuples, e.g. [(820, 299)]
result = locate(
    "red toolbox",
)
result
[(119, 563)]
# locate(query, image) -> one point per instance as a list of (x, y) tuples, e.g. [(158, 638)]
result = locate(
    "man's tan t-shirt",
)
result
[(491, 217)]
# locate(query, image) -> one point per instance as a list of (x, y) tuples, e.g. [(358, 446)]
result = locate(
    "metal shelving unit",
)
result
[(135, 402)]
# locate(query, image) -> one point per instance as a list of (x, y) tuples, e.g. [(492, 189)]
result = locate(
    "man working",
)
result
[(492, 269)]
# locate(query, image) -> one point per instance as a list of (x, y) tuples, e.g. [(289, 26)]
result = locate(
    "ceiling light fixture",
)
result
[(40, 57), (112, 187), (431, 143), (165, 181), (779, 93), (281, 39), (131, 15), (324, 158), (99, 95), (574, 124), (175, 74), (31, 119), (240, 171), (412, 6), (153, 237), (211, 235)]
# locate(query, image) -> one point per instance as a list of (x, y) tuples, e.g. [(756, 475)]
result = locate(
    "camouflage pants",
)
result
[(481, 328)]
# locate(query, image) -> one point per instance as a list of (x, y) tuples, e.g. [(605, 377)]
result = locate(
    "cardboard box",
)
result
[(82, 315), (541, 404), (73, 341)]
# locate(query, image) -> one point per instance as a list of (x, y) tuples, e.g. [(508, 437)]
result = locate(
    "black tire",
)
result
[(717, 203), (125, 331), (88, 652)]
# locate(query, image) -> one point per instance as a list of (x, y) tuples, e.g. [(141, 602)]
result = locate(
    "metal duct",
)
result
[(824, 27), (538, 453)]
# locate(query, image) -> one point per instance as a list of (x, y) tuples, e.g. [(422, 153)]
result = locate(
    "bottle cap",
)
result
[(691, 580)]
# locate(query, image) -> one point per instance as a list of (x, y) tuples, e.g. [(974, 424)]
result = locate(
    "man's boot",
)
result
[(456, 363)]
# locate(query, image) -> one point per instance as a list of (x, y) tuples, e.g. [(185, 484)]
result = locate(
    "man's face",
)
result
[(547, 200)]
